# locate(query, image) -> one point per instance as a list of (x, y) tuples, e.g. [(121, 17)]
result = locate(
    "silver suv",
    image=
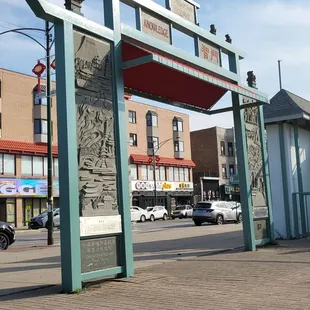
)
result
[(217, 212)]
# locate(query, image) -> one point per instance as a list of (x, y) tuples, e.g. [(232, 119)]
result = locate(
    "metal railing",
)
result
[(301, 214)]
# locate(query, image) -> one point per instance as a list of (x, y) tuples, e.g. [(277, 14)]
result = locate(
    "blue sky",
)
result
[(267, 30)]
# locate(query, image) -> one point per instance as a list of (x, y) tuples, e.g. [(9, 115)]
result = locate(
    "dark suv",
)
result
[(7, 235)]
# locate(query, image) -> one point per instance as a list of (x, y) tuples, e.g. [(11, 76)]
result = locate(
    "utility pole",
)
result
[(154, 174), (50, 237), (280, 75)]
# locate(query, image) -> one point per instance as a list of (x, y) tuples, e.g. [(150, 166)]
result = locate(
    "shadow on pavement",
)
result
[(214, 241), (29, 292)]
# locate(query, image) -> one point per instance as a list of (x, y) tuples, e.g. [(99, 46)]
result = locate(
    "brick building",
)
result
[(169, 132), (23, 151), (213, 151)]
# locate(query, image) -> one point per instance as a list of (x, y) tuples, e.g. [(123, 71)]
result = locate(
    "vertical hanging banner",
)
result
[(258, 190), (155, 27), (185, 9), (99, 214)]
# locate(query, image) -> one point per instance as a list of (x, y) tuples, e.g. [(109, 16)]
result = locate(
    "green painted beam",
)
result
[(101, 273), (284, 181), (300, 181), (68, 163), (51, 12), (138, 61), (112, 21), (266, 172), (295, 214), (243, 171)]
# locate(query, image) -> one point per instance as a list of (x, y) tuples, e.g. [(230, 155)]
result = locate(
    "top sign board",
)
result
[(155, 27), (209, 52), (184, 9)]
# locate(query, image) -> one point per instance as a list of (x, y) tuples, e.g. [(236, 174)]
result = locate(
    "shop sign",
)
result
[(155, 27), (209, 52), (26, 187), (184, 9), (161, 186)]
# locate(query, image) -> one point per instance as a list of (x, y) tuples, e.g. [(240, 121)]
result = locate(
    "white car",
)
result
[(182, 211), (157, 213), (139, 215)]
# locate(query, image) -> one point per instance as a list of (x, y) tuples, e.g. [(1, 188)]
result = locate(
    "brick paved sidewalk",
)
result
[(271, 278)]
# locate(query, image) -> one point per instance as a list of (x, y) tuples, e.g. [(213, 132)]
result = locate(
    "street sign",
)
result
[(42, 95), (234, 179)]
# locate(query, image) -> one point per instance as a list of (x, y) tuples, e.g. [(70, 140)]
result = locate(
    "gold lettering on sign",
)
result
[(155, 27), (209, 52), (183, 9)]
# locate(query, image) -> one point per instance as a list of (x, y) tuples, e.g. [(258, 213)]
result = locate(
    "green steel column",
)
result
[(68, 164), (284, 181), (300, 182), (266, 171), (243, 171), (112, 21)]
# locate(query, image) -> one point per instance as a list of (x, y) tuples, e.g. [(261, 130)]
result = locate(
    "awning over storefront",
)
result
[(10, 146), (164, 161), (157, 76)]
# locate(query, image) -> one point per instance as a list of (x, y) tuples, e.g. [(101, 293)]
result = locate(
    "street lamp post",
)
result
[(48, 45)]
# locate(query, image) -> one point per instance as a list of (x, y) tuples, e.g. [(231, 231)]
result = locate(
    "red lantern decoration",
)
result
[(53, 64), (38, 69)]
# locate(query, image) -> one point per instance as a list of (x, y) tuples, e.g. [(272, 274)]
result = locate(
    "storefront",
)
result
[(169, 194), (21, 199)]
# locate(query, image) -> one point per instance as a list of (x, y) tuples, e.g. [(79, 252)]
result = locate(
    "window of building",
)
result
[(178, 146), (150, 173), (133, 139), (157, 173), (133, 172), (223, 151), (143, 173), (162, 173), (186, 174), (181, 174), (40, 126), (231, 170), (132, 117), (224, 172), (171, 174), (176, 174), (39, 100), (37, 166), (152, 142), (230, 149), (177, 124), (7, 164), (151, 119)]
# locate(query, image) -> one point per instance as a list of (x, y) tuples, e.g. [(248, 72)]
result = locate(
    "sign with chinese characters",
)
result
[(161, 186), (99, 253), (184, 9), (100, 225), (155, 27), (208, 52), (27, 187)]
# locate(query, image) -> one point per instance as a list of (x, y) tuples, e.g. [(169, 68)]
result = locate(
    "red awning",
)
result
[(164, 161), (160, 76), (11, 146)]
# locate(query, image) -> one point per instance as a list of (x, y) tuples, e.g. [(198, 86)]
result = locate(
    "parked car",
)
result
[(157, 213), (40, 221), (7, 235), (139, 214), (217, 212), (182, 211)]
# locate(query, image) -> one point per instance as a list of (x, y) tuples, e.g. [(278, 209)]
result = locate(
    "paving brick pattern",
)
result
[(271, 278)]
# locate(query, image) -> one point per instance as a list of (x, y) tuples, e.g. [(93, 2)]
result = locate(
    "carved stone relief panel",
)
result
[(255, 162), (95, 127)]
